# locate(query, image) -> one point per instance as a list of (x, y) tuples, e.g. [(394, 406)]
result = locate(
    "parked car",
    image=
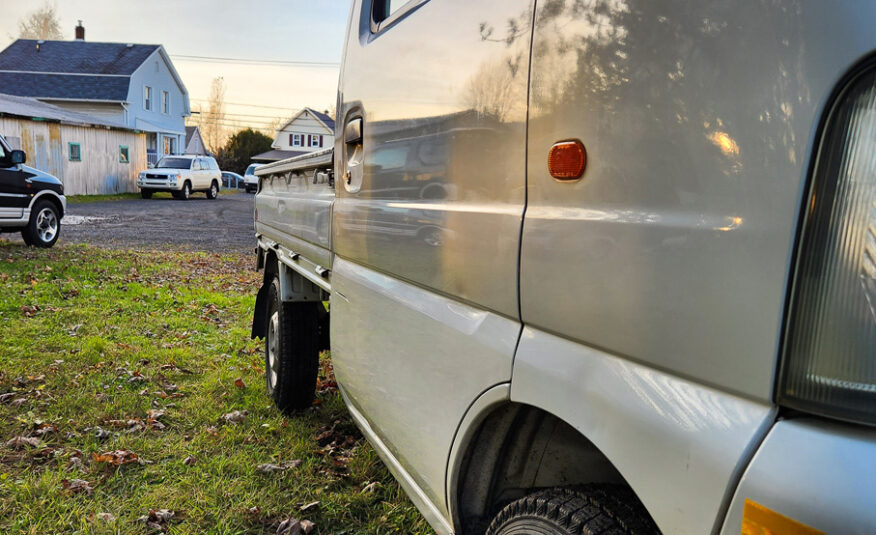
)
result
[(181, 175), (650, 303), (232, 180), (31, 202), (251, 181)]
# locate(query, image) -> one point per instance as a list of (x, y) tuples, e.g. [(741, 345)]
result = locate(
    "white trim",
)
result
[(59, 99)]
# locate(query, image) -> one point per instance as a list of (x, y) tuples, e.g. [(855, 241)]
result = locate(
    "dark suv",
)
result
[(31, 202)]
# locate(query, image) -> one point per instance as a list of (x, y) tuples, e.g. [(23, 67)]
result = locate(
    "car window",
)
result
[(174, 163), (213, 165), (389, 158), (251, 169), (196, 165), (383, 9)]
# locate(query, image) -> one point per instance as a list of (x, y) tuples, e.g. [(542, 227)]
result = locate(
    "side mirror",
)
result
[(17, 157)]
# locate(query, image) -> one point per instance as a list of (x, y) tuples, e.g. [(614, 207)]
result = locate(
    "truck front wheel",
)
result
[(595, 509), (291, 350)]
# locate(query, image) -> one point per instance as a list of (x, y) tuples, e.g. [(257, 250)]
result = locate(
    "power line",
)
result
[(244, 104), (279, 62)]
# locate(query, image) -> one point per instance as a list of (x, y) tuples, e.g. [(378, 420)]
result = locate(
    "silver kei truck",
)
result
[(594, 266)]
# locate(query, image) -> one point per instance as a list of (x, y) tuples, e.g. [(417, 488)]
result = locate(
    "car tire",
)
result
[(185, 193), (291, 350), (146, 194), (213, 192), (44, 226), (585, 511)]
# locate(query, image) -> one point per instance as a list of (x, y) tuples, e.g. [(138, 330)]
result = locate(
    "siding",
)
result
[(98, 172)]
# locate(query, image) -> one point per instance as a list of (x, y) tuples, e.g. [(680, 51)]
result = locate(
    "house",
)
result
[(89, 154), (307, 131), (135, 86), (194, 142)]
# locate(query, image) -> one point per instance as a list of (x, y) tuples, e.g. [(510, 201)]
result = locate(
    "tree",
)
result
[(212, 121), (41, 24), (237, 154)]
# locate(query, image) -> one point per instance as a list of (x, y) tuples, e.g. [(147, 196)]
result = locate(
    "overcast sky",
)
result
[(268, 30)]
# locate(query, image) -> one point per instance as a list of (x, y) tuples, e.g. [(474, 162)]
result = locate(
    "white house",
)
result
[(307, 131), (133, 86), (195, 142)]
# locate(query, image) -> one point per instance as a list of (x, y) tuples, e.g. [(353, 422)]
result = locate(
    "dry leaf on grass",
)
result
[(106, 517), (157, 519), (75, 486), (269, 468), (116, 458), (235, 416), (189, 461), (308, 506), (291, 526), (239, 383), (19, 443)]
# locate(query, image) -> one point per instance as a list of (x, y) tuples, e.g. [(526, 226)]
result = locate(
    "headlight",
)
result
[(829, 365)]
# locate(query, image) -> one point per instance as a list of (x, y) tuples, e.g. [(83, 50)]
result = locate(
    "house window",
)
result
[(169, 145), (74, 152), (165, 102), (296, 140), (147, 97), (315, 140), (123, 154)]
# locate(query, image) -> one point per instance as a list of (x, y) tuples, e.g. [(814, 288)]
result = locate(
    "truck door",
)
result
[(13, 187), (430, 156)]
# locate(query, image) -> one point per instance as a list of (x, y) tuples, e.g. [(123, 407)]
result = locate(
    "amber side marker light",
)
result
[(567, 160), (760, 520)]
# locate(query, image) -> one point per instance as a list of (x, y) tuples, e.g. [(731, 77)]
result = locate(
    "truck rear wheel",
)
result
[(594, 509), (291, 350)]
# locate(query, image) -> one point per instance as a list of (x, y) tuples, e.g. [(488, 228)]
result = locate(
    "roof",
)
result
[(275, 155), (326, 121), (60, 86), (190, 131), (74, 57), (31, 108)]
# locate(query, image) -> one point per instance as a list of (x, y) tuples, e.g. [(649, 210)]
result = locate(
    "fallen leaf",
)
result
[(269, 468), (189, 461), (239, 383), (116, 458), (291, 526), (235, 416), (106, 517), (75, 486), (19, 443), (308, 506)]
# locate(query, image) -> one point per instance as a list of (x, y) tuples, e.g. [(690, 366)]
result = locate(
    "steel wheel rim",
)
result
[(186, 191), (214, 191), (47, 225), (273, 347)]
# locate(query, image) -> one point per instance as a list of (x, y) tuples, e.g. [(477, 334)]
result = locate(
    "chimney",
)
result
[(80, 32)]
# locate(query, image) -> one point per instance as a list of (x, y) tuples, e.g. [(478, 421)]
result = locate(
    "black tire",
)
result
[(292, 339), (213, 192), (185, 193), (145, 194), (44, 226), (591, 510)]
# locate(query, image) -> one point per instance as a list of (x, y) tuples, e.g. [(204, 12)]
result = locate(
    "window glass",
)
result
[(174, 163), (165, 102), (74, 152), (383, 9), (123, 154), (2, 151), (390, 158), (251, 169), (147, 97)]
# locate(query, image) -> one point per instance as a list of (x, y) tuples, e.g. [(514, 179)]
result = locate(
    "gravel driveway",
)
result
[(221, 225)]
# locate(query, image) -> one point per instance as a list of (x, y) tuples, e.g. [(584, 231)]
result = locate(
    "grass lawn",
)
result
[(82, 199), (117, 372)]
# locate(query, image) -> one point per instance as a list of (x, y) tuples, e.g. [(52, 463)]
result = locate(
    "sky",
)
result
[(285, 31)]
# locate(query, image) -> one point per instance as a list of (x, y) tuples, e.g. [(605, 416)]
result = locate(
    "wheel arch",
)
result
[(49, 196), (505, 450)]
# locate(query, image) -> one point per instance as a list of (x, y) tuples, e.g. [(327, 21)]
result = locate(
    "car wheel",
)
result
[(586, 511), (44, 226), (186, 192), (291, 350), (213, 192), (145, 194)]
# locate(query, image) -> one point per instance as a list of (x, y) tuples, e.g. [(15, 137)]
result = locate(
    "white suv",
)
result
[(250, 180), (181, 175)]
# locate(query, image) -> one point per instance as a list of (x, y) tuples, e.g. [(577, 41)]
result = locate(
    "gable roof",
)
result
[(323, 118), (74, 57), (64, 86), (31, 108)]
